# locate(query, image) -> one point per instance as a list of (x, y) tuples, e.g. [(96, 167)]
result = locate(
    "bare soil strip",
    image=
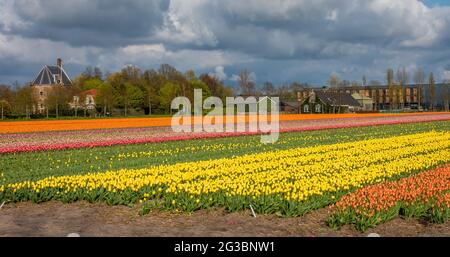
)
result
[(58, 219)]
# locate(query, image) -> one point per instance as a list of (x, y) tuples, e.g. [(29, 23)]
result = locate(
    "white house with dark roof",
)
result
[(46, 80)]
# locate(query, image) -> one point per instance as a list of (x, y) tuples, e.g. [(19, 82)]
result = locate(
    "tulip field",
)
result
[(364, 170)]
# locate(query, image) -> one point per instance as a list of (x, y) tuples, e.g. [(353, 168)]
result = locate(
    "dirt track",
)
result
[(58, 219)]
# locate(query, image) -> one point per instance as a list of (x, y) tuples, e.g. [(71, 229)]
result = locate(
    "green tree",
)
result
[(190, 75), (5, 108), (58, 99), (152, 82), (128, 96), (151, 97), (25, 100), (167, 93), (92, 83), (135, 96), (105, 98), (198, 84), (6, 100)]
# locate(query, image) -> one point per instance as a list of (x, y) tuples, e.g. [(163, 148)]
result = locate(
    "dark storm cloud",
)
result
[(279, 40), (306, 29), (90, 22)]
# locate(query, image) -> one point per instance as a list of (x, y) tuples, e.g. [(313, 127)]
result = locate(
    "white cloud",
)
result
[(446, 75), (43, 51), (219, 73), (252, 77), (149, 55), (332, 15), (182, 26)]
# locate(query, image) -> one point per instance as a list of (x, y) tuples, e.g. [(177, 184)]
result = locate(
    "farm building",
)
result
[(323, 101), (366, 102)]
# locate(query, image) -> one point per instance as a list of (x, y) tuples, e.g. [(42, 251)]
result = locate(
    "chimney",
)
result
[(59, 62)]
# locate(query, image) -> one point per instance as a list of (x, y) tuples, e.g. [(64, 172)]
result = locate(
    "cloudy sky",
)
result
[(280, 41)]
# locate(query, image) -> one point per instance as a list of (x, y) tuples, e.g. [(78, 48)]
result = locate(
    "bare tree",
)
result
[(168, 71), (390, 82), (419, 80), (246, 84), (402, 80), (445, 94), (374, 83), (131, 73), (431, 93), (268, 88), (335, 82)]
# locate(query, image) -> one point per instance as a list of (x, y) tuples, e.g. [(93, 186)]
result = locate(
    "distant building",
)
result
[(48, 78), (327, 101), (366, 102), (84, 100), (289, 107), (412, 96)]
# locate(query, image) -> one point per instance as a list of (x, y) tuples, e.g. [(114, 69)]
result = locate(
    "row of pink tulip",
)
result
[(82, 139)]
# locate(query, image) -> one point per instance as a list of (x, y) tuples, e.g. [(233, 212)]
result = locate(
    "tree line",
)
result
[(131, 91)]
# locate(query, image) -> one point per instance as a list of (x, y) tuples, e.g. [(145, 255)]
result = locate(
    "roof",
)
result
[(294, 104), (266, 98), (358, 96), (335, 98), (47, 76), (92, 92)]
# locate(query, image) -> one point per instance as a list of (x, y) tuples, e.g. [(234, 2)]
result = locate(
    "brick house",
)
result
[(49, 77)]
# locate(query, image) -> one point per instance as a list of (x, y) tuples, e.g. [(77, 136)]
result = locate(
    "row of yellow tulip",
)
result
[(295, 174)]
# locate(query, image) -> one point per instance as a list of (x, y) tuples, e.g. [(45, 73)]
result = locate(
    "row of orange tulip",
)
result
[(60, 125)]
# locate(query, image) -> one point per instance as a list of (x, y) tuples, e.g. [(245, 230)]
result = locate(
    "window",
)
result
[(306, 108), (317, 107)]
